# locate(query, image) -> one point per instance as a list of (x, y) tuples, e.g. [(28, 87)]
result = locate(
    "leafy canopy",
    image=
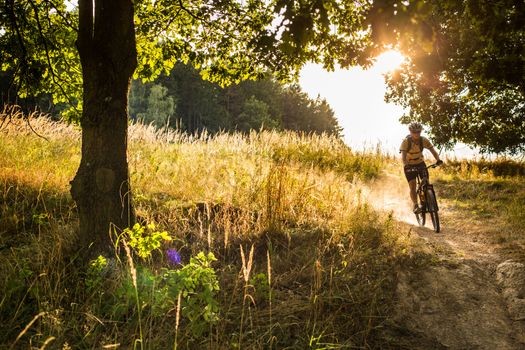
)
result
[(37, 45), (228, 41), (466, 73)]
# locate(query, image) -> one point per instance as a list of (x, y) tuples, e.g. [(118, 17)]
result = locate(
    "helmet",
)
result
[(415, 126)]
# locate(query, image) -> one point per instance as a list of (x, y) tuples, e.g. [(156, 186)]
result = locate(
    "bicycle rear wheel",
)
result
[(433, 209)]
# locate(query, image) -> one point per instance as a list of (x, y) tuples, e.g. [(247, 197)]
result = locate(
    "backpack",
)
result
[(409, 140)]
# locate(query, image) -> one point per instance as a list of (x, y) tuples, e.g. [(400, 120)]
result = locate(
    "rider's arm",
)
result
[(430, 147), (404, 157), (403, 150), (435, 154)]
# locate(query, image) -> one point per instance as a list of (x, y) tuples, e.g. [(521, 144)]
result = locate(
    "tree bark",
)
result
[(101, 189)]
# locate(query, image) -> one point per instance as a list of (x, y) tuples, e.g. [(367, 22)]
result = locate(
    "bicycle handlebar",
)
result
[(435, 165)]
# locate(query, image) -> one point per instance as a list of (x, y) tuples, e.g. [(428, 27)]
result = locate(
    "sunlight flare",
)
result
[(389, 61)]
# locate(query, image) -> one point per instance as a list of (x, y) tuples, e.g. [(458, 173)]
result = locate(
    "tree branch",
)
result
[(190, 13), (170, 21), (48, 58), (61, 14), (14, 23)]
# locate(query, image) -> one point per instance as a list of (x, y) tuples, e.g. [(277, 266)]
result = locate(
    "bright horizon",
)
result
[(357, 97)]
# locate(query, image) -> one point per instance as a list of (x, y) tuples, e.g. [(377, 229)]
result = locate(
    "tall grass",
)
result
[(320, 274), (475, 168), (490, 193)]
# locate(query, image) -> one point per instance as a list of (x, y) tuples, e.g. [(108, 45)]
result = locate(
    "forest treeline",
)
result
[(183, 100)]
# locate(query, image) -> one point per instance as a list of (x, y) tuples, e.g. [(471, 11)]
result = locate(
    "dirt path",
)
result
[(466, 296)]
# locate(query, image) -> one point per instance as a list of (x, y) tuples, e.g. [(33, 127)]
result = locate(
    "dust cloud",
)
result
[(390, 193)]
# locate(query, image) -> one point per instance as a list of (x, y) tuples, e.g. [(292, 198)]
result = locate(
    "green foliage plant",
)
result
[(191, 288), (95, 272), (193, 285), (145, 239), (261, 288), (198, 285)]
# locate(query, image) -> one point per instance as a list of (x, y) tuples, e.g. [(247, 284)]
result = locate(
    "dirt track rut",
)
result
[(466, 297)]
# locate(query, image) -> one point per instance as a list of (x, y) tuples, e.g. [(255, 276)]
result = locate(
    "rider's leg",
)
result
[(413, 196), (411, 179)]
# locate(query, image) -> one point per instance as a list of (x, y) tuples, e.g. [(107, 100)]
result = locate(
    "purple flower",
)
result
[(173, 256)]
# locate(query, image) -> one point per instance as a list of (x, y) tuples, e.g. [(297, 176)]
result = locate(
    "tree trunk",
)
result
[(101, 189)]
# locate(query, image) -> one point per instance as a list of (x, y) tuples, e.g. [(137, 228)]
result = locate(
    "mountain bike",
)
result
[(427, 200)]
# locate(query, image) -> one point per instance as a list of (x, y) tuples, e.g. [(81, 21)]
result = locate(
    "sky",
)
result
[(357, 98)]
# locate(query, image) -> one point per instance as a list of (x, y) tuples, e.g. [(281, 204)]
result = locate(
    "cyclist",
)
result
[(412, 156)]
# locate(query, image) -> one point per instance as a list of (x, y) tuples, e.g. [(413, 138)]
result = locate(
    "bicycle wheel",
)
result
[(421, 217), (433, 208)]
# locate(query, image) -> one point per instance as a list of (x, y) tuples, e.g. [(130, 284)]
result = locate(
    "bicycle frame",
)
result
[(422, 185), (427, 199)]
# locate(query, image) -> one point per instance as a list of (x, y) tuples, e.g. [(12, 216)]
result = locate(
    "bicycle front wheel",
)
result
[(421, 216), (433, 209)]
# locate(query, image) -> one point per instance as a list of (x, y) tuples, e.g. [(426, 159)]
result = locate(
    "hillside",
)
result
[(316, 265), (464, 287), (305, 244)]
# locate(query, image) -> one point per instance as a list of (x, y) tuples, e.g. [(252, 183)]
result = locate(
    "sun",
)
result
[(389, 61)]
